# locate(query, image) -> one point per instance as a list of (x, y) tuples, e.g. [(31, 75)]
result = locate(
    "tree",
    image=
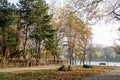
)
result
[(84, 41), (87, 10), (52, 47), (56, 21), (115, 11), (76, 32), (108, 53), (25, 20), (7, 18), (11, 41), (43, 32)]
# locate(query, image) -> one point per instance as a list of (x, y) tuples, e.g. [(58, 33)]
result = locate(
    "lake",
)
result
[(107, 63)]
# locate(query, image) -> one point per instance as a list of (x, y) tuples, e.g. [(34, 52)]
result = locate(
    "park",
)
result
[(55, 40)]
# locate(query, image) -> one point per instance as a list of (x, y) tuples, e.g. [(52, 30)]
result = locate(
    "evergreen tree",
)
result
[(43, 31), (52, 47), (10, 41), (25, 20), (6, 13), (34, 14), (7, 18)]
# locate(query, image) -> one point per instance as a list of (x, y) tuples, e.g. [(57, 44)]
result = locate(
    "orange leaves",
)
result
[(81, 72)]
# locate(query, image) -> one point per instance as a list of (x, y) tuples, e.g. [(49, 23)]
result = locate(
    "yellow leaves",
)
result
[(56, 23), (77, 23), (98, 54)]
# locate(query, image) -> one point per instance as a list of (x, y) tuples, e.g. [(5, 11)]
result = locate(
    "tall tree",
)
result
[(77, 33), (25, 20), (43, 30), (7, 18)]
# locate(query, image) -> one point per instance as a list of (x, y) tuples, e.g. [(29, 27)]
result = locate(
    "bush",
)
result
[(64, 68), (61, 68), (87, 66), (69, 68)]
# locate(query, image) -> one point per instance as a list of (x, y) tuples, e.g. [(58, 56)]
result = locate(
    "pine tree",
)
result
[(7, 18), (25, 20), (52, 47), (43, 31)]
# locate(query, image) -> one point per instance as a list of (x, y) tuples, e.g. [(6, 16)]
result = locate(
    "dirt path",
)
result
[(113, 75), (28, 68)]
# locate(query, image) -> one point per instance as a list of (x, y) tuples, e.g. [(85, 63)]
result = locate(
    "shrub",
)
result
[(61, 68), (64, 68), (69, 68), (87, 66)]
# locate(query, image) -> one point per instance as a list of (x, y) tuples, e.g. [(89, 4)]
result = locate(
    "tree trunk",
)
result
[(3, 62), (84, 58), (80, 59), (39, 49), (75, 60), (46, 57), (90, 59), (54, 59), (3, 49), (4, 57), (38, 52), (24, 47), (70, 56), (25, 43)]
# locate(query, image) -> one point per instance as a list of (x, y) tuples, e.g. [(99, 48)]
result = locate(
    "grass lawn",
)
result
[(76, 74)]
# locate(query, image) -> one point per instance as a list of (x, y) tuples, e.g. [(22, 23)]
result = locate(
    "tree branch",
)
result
[(115, 13)]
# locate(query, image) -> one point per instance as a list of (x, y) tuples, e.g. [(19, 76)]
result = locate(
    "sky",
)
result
[(13, 1), (102, 33), (105, 34)]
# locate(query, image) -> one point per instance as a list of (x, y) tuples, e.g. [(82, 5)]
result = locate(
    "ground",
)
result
[(51, 73), (27, 68), (112, 75)]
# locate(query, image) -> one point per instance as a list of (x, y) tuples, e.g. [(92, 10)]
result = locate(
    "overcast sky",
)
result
[(105, 34), (13, 1)]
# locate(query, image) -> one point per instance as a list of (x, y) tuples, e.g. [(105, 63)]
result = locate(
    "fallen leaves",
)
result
[(77, 72)]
